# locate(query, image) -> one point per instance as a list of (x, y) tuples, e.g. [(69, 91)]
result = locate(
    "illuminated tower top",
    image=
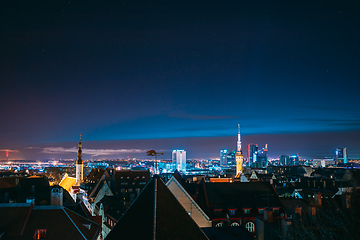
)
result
[(79, 158), (239, 140)]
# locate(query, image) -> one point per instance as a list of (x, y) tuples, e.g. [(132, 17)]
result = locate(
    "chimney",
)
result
[(30, 200), (298, 212), (317, 199), (347, 200), (285, 224), (268, 215), (312, 210)]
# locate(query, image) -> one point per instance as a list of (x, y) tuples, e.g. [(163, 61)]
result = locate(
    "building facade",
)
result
[(223, 156), (179, 160)]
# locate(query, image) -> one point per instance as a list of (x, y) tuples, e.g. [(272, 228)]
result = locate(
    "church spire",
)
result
[(79, 165), (79, 158)]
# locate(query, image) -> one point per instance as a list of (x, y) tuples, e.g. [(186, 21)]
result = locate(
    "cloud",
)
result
[(9, 150), (89, 151), (330, 122)]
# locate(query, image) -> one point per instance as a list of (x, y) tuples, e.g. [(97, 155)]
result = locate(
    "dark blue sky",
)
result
[(176, 71)]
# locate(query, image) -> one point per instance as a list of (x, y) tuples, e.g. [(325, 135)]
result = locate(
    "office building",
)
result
[(179, 160), (284, 160), (340, 155), (262, 157), (252, 153), (223, 156), (294, 160)]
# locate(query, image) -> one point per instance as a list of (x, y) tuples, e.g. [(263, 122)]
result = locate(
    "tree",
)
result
[(154, 153)]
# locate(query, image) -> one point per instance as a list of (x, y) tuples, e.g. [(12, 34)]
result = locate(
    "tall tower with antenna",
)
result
[(239, 156), (79, 166)]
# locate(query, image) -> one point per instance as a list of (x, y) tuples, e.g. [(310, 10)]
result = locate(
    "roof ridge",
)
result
[(27, 219), (74, 224), (67, 209)]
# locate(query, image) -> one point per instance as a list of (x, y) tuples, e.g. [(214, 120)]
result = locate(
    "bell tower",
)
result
[(79, 166)]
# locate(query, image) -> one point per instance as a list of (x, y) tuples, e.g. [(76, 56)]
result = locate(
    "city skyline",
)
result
[(133, 76)]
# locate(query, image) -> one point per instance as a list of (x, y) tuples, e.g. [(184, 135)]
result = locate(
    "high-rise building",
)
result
[(239, 156), (223, 156), (294, 160), (340, 155), (252, 153), (79, 166), (262, 157), (284, 160), (179, 160)]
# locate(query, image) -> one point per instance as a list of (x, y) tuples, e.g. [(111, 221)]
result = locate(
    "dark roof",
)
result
[(68, 201), (290, 203), (34, 187), (94, 175), (112, 207), (7, 182), (81, 209), (236, 195), (123, 174), (59, 222), (177, 176), (161, 217), (227, 233)]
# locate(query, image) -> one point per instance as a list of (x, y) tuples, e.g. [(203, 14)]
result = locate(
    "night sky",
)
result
[(137, 75)]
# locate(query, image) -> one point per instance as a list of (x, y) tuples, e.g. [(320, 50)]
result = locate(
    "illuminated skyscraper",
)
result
[(179, 159), (239, 156), (223, 156), (252, 153), (262, 157), (340, 155), (284, 160), (79, 166)]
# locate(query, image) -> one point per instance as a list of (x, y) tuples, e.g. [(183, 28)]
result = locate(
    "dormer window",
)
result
[(40, 234), (232, 212), (261, 210), (247, 211)]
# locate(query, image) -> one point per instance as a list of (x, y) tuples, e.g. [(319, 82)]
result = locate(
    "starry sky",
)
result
[(137, 75)]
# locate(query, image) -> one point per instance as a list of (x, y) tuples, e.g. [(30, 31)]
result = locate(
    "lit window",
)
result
[(40, 234), (220, 224), (246, 211), (232, 212), (261, 211), (235, 224), (250, 226)]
